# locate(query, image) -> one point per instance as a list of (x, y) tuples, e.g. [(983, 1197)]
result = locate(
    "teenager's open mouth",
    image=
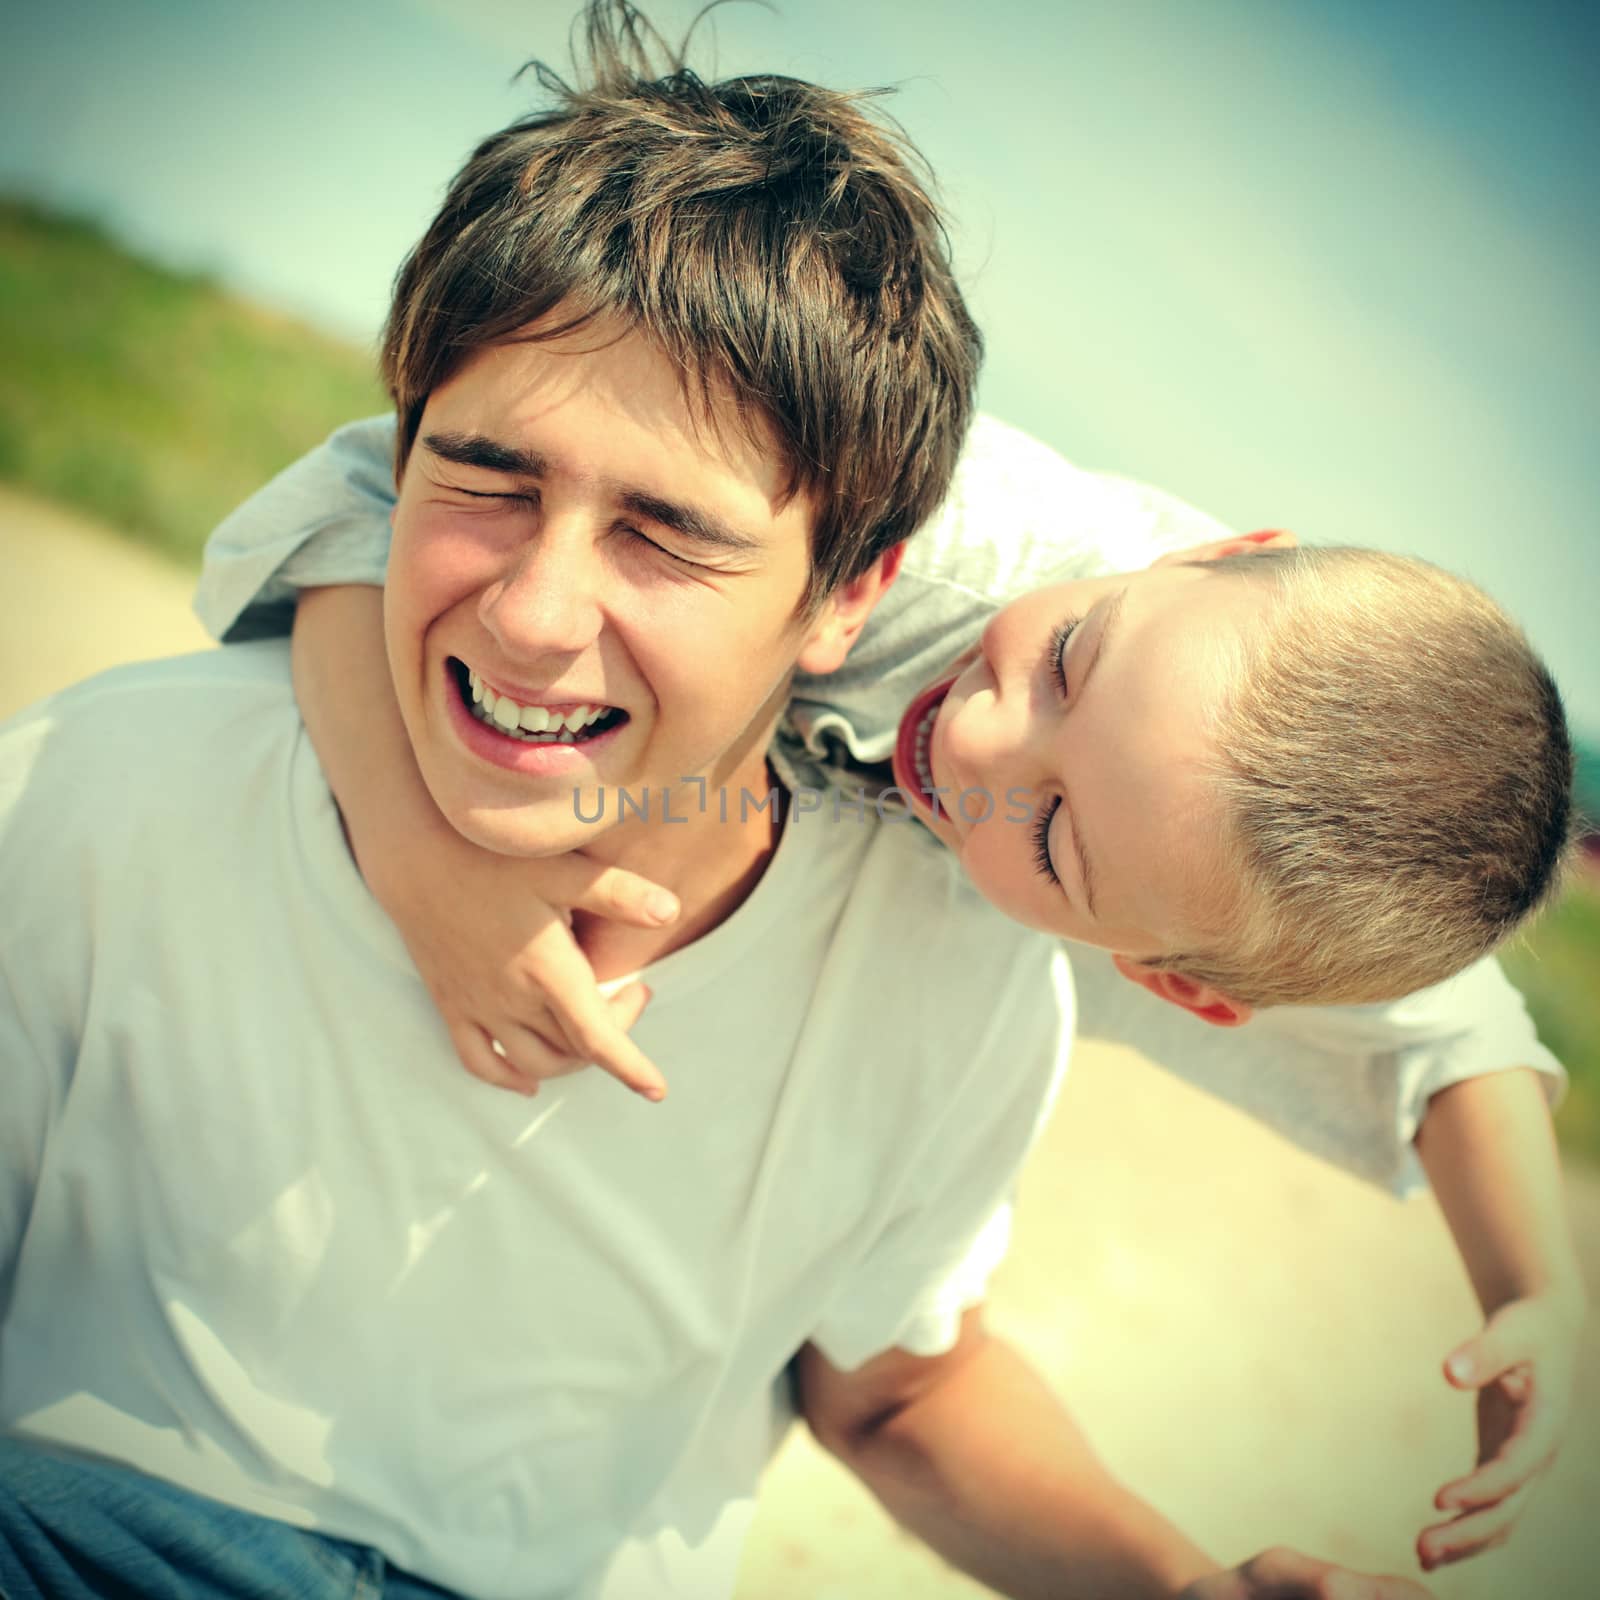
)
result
[(569, 722), (913, 770)]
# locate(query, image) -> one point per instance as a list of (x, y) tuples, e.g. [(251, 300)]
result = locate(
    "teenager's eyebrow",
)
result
[(478, 450), (1112, 615), (691, 522)]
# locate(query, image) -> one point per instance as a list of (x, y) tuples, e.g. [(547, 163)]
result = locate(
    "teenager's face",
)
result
[(1080, 726), (575, 548)]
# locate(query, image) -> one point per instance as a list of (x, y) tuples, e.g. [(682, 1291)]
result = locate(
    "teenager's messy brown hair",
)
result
[(771, 237)]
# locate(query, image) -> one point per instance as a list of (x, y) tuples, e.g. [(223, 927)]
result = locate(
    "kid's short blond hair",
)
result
[(1395, 776)]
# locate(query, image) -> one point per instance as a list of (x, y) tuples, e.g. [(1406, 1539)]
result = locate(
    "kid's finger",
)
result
[(1470, 1535), (612, 892), (532, 1056), (1518, 1385), (475, 1050), (627, 1005), (1526, 1449), (1525, 1456), (589, 1025), (1482, 1359), (599, 1037)]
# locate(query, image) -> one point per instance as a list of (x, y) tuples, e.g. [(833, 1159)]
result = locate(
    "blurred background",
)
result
[(1321, 266)]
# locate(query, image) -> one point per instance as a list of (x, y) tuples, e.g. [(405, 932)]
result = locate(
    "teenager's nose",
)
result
[(549, 601)]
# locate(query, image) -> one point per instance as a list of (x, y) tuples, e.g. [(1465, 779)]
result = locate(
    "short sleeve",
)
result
[(1349, 1084), (948, 1228), (324, 520), (1475, 1023)]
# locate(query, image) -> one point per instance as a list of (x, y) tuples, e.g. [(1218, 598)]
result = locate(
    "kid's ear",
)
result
[(844, 614), (1209, 1004), (1242, 544)]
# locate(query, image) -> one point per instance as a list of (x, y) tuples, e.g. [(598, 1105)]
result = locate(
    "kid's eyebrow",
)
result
[(1113, 614), (1084, 870), (689, 522)]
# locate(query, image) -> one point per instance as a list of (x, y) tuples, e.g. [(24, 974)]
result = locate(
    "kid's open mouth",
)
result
[(563, 722), (913, 771)]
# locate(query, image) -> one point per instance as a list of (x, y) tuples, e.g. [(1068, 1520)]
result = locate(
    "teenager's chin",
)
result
[(511, 832)]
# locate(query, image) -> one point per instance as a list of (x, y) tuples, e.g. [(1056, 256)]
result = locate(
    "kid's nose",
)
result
[(549, 600)]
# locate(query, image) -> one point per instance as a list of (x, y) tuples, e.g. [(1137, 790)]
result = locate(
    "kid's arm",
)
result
[(1489, 1152), (489, 934), (500, 968)]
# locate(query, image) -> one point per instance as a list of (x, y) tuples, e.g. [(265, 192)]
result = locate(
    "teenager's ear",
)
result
[(844, 614), (1240, 544), (1209, 1004)]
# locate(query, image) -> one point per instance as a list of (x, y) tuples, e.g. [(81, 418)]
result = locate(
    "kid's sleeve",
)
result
[(1350, 1084), (324, 520), (1476, 1023)]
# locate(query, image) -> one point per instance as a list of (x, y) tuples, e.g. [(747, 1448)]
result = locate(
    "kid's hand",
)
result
[(1522, 1367), (517, 994), (1289, 1575)]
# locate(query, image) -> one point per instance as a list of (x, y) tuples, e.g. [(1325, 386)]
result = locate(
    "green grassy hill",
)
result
[(1557, 967), (148, 398)]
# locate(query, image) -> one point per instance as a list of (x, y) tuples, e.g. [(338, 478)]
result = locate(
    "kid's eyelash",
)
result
[(1055, 665), (1055, 651), (1041, 840)]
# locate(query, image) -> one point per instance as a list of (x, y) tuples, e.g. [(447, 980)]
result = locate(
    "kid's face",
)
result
[(587, 587), (1072, 745)]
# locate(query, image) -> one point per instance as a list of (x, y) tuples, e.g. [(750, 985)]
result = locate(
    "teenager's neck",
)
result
[(709, 847)]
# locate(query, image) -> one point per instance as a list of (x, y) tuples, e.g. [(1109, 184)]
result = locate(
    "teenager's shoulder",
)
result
[(147, 688), (954, 962), (103, 743)]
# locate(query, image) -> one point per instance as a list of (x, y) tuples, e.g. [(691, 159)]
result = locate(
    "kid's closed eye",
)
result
[(1041, 840), (1055, 652)]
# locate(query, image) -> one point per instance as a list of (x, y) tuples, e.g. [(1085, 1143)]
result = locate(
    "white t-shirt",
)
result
[(261, 1236), (1349, 1083)]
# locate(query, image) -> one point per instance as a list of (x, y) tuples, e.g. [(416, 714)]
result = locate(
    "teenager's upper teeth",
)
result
[(510, 714)]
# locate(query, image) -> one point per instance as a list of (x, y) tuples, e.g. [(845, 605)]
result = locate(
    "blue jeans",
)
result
[(81, 1530)]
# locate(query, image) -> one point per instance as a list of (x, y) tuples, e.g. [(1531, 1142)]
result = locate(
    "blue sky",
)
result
[(1320, 264)]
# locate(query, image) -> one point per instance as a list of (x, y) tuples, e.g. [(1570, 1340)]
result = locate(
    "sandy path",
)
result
[(1251, 1337), (78, 599)]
